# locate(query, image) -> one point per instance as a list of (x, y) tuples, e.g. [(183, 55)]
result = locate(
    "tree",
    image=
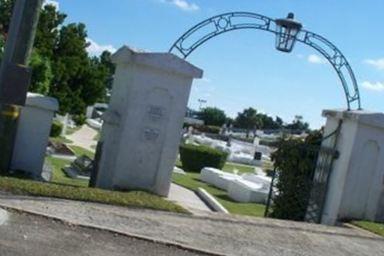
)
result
[(279, 121), (6, 7), (212, 116), (60, 63), (106, 61), (41, 74), (297, 125), (295, 162), (249, 120), (48, 30)]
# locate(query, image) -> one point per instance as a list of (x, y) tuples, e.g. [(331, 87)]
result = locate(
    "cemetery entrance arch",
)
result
[(287, 32), (223, 23)]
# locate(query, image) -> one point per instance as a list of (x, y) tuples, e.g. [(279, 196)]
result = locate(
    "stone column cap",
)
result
[(160, 60), (361, 116), (41, 101)]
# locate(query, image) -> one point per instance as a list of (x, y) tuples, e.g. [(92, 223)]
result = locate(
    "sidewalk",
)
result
[(84, 138), (228, 235), (188, 199)]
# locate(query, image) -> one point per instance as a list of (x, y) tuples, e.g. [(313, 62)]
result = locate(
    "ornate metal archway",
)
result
[(226, 22)]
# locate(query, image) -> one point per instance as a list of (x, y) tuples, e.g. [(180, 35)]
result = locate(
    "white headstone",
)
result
[(143, 125), (32, 136)]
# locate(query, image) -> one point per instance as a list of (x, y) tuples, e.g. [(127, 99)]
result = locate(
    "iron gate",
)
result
[(305, 201)]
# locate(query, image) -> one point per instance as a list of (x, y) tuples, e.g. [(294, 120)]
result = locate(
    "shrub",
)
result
[(194, 158), (56, 129), (79, 119), (207, 128), (295, 162)]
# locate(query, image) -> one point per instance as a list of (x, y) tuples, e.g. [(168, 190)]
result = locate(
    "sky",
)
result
[(242, 68)]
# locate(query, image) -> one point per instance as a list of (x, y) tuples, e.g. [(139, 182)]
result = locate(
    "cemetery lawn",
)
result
[(58, 175), (79, 151), (191, 181), (135, 199), (377, 228), (229, 167), (60, 139)]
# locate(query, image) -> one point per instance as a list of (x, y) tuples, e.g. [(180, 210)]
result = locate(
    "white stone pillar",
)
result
[(33, 133), (356, 184), (143, 124)]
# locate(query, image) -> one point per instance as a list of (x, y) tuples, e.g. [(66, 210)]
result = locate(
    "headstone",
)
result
[(32, 134), (257, 156), (143, 124)]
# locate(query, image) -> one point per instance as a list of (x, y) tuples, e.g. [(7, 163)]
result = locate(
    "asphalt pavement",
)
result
[(30, 235)]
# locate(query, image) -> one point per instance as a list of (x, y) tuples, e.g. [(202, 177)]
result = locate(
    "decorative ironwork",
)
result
[(226, 22), (327, 154)]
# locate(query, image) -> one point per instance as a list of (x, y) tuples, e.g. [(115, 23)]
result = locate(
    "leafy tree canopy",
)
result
[(61, 65), (212, 116)]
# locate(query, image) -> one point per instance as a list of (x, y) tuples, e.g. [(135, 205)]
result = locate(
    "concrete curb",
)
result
[(131, 235), (211, 201), (351, 226)]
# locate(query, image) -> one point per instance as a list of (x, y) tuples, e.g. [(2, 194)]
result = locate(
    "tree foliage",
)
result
[(249, 120), (298, 125), (212, 116), (295, 162), (60, 62)]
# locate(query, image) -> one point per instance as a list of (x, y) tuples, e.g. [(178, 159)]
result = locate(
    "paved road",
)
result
[(229, 235), (24, 234)]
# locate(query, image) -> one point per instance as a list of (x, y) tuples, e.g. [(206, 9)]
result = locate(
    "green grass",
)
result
[(58, 175), (192, 182), (71, 131), (79, 151), (377, 228), (136, 199), (60, 139), (229, 167)]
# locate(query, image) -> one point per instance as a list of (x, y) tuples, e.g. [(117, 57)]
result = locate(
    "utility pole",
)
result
[(14, 74)]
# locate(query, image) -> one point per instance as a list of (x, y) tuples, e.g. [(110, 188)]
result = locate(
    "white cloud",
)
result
[(316, 59), (378, 86), (95, 49), (183, 5), (52, 2), (378, 64)]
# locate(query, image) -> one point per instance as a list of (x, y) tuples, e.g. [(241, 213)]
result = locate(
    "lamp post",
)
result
[(286, 32), (201, 102)]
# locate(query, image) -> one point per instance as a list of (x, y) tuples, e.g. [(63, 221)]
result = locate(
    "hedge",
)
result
[(194, 158), (56, 129)]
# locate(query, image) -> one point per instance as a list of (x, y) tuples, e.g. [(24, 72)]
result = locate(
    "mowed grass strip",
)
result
[(377, 228), (79, 151), (191, 181), (136, 199), (58, 175)]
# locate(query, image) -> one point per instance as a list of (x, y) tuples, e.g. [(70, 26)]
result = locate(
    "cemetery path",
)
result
[(188, 199), (25, 234), (84, 138), (222, 234)]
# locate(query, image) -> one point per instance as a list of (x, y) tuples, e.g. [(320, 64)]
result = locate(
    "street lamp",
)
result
[(201, 102), (286, 32)]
